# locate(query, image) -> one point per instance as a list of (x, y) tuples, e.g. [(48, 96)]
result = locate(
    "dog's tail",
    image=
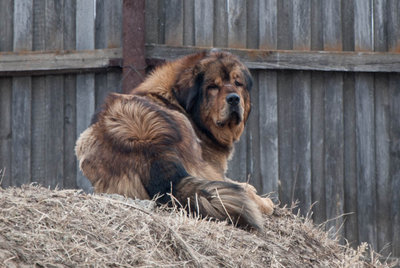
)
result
[(220, 200)]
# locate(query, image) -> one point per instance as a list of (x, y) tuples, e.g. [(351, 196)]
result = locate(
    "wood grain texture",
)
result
[(174, 22), (333, 136), (188, 23), (236, 25), (350, 163), (365, 129), (85, 90), (204, 23), (6, 44), (21, 98), (220, 23), (301, 165)]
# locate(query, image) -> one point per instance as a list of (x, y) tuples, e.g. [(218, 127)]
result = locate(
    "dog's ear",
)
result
[(248, 78), (187, 92)]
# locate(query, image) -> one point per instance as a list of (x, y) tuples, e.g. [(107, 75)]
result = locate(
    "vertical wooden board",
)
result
[(54, 98), (203, 23), (5, 131), (253, 128), (393, 38), (301, 165), (221, 23), (174, 22), (85, 88), (350, 163), (268, 99), (268, 24), (318, 146), (285, 24), (382, 136), (152, 21), (39, 104), (348, 25), (237, 38), (188, 23), (383, 179), (365, 141), (285, 102), (394, 85), (21, 131), (268, 121), (6, 29), (69, 99), (317, 33), (363, 36), (365, 134), (253, 138), (301, 139), (237, 23), (6, 44), (334, 146), (70, 132), (285, 141), (21, 98), (108, 35)]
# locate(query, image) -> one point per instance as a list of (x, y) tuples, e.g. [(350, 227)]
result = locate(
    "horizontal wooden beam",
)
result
[(50, 62), (294, 60)]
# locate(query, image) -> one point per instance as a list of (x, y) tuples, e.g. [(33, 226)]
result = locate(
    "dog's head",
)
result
[(214, 91)]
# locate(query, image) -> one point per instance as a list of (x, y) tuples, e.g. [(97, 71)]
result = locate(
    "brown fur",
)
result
[(175, 133)]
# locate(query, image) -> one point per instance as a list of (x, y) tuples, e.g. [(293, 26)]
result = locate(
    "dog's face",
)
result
[(215, 93)]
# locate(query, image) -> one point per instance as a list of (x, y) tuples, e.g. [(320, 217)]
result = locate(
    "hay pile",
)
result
[(50, 228)]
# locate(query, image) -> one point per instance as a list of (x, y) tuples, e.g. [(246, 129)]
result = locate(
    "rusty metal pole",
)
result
[(134, 63)]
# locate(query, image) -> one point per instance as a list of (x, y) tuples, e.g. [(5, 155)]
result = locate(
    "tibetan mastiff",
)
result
[(172, 137)]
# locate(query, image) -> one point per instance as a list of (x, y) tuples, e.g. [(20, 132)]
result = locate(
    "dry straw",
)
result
[(53, 228)]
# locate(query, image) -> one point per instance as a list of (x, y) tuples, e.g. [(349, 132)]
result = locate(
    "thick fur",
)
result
[(174, 134)]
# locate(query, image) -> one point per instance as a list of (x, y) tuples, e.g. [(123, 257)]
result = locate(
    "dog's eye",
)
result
[(238, 84)]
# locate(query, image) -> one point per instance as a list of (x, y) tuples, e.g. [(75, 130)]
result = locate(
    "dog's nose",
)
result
[(233, 99)]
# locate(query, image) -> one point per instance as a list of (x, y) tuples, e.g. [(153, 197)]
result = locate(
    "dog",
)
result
[(172, 137)]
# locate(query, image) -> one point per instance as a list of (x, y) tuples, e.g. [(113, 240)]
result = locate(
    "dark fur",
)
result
[(174, 134)]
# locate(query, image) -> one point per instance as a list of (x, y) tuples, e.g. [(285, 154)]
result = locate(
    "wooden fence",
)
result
[(325, 123)]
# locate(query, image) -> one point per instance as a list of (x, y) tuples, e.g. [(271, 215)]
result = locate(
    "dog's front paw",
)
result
[(266, 205)]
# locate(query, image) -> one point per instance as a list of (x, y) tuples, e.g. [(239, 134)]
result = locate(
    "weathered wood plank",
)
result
[(85, 90), (174, 22), (317, 146), (285, 103), (220, 23), (5, 130), (394, 85), (301, 165), (237, 38), (365, 134), (21, 98), (188, 23), (268, 99), (69, 99), (350, 163), (204, 23), (334, 139), (6, 44), (253, 128), (394, 115), (39, 63), (294, 60), (334, 146), (152, 21), (382, 136)]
